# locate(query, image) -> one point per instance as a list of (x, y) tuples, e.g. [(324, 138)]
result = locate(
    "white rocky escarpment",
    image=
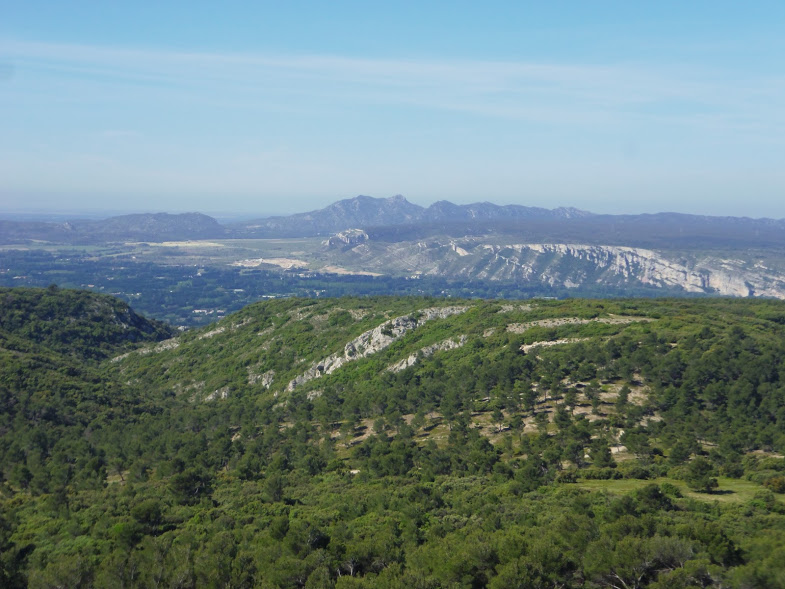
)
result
[(213, 332), (558, 342), (285, 263), (448, 344), (348, 237), (458, 249), (168, 344), (646, 266), (725, 277), (222, 393), (570, 265), (510, 308), (373, 341)]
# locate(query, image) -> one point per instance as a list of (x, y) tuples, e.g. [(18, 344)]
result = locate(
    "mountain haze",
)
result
[(563, 249), (135, 227)]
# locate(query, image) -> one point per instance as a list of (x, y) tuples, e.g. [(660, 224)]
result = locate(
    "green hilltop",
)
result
[(393, 442)]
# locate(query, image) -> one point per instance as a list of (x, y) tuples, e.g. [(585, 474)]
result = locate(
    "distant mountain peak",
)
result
[(572, 212), (364, 212)]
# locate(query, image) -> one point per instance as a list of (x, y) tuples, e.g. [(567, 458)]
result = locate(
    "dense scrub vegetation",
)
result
[(625, 443)]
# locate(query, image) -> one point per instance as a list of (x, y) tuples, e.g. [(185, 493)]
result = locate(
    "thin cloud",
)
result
[(564, 93)]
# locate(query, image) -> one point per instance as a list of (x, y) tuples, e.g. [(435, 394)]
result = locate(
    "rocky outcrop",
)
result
[(373, 341), (212, 332), (568, 265), (265, 379), (351, 237), (448, 344), (222, 393), (557, 321), (557, 342), (169, 344)]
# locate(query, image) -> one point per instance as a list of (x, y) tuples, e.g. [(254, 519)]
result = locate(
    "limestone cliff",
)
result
[(348, 237), (570, 265), (373, 341)]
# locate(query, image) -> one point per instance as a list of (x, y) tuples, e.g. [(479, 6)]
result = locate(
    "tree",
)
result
[(418, 421), (274, 486), (571, 398), (679, 454), (562, 418), (623, 398), (601, 454), (541, 420), (191, 485), (498, 418), (529, 399), (698, 475)]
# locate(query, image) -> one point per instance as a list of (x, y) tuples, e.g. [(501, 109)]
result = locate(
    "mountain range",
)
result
[(396, 218), (564, 248), (365, 212)]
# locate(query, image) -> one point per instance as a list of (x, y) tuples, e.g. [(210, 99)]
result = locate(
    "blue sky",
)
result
[(282, 107)]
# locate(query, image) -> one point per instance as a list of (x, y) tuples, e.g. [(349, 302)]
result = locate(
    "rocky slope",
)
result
[(373, 341), (569, 265)]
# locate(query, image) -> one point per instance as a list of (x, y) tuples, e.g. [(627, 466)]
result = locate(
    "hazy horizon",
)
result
[(228, 216)]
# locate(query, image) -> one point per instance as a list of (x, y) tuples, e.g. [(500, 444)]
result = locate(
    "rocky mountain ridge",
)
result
[(366, 211), (570, 265)]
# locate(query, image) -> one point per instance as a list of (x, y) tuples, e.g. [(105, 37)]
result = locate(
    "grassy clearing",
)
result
[(730, 490)]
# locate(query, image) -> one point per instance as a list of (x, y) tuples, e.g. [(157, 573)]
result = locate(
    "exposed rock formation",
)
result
[(448, 344), (373, 341), (558, 342), (725, 277), (265, 379), (222, 393), (348, 237), (569, 265), (557, 321)]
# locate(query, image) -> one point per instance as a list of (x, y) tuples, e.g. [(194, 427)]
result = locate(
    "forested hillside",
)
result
[(393, 442)]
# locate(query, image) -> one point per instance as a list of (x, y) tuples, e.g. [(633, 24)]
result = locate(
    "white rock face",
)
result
[(222, 393), (557, 321), (373, 341), (266, 379), (458, 249), (169, 344), (348, 237), (558, 342), (212, 333), (724, 277), (570, 265), (448, 344)]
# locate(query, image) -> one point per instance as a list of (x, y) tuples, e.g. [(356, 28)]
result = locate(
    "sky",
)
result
[(281, 107)]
